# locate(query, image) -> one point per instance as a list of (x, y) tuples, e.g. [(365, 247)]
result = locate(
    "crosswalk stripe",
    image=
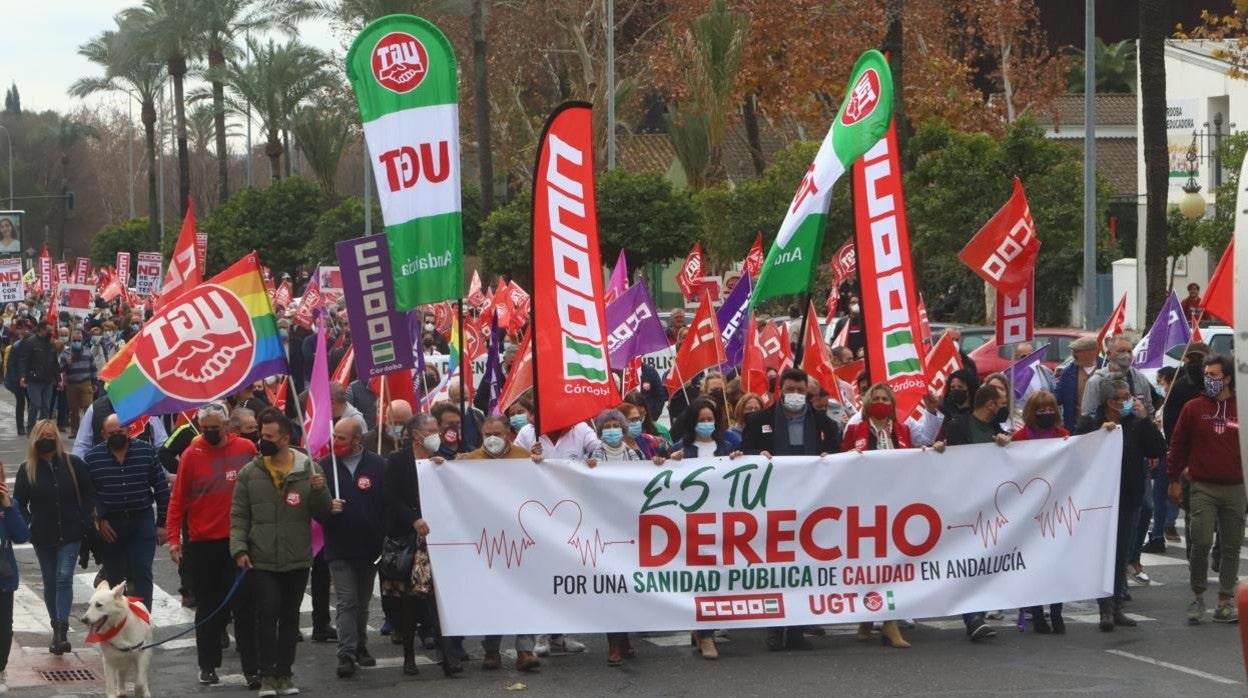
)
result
[(167, 609), (29, 613)]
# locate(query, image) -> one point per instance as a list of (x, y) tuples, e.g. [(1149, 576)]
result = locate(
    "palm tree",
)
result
[(1115, 68), (128, 70), (322, 136), (66, 134), (1154, 28), (173, 30), (273, 83)]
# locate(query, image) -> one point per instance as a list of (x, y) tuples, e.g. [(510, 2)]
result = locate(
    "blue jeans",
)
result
[(129, 559), (1164, 513), (39, 399), (56, 565)]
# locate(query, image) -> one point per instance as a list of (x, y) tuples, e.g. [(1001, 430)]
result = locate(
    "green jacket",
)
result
[(272, 526)]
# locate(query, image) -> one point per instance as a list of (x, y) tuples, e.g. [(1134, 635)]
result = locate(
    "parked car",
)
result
[(1220, 338), (990, 357)]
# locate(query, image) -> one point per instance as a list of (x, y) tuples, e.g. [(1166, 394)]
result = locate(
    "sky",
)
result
[(40, 47)]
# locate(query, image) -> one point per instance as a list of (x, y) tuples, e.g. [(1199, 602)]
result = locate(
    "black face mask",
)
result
[(212, 436), (45, 446), (118, 440), (252, 436), (1196, 371), (1046, 420), (717, 395), (957, 397), (268, 448), (1002, 414)]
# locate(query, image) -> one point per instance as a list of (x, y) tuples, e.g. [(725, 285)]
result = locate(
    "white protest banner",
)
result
[(747, 542), (147, 273), (11, 290)]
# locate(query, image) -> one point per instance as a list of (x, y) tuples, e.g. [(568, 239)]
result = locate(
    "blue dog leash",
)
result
[(233, 590)]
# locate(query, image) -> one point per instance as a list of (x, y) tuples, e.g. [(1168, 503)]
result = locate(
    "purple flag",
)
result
[(378, 329), (619, 279), (1170, 329), (492, 381), (732, 316), (633, 326), (1020, 373), (418, 352)]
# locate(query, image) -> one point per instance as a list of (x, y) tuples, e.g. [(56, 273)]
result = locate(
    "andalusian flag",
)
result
[(861, 122), (205, 344), (403, 72)]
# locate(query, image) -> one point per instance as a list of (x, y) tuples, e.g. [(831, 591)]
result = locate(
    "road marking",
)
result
[(30, 615), (1186, 670), (167, 611)]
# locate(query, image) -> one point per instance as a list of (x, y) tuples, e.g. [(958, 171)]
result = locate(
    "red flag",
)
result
[(703, 347), (816, 361), (398, 386), (632, 375), (1113, 326), (476, 298), (1015, 316), (1196, 336), (778, 348), (942, 361), (753, 363), (1219, 303), (844, 264), (111, 290), (834, 298), (342, 373), (277, 394), (283, 296), (754, 260), (184, 270), (520, 301), (45, 271), (925, 327), (1004, 251), (689, 278), (573, 380), (443, 313), (521, 377)]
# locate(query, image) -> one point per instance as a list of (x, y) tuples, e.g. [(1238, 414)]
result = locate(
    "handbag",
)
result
[(7, 571), (397, 554), (422, 570)]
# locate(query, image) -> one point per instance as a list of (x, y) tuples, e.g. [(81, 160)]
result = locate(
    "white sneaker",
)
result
[(1140, 577), (542, 647), (4, 682), (571, 646)]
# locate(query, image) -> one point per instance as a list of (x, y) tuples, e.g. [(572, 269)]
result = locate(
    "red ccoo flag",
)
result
[(1219, 302), (754, 364), (1113, 326), (754, 260), (689, 278), (476, 298), (703, 347), (184, 273), (1004, 251)]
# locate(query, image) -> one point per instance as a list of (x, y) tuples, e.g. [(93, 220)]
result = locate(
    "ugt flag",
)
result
[(1170, 329), (862, 121), (402, 69)]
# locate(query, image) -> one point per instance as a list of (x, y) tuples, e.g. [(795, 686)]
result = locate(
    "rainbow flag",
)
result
[(205, 344)]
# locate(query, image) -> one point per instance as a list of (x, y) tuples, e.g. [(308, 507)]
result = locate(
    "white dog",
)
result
[(120, 626)]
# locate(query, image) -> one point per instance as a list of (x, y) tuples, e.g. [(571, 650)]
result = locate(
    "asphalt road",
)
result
[(1164, 656)]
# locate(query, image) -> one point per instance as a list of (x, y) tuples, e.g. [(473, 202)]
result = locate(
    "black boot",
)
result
[(65, 646), (1038, 622), (1107, 614), (1055, 617), (1121, 618), (55, 645), (452, 666)]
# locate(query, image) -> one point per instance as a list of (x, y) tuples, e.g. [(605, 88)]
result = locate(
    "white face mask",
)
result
[(432, 442), (428, 326), (494, 445), (794, 402), (855, 308)]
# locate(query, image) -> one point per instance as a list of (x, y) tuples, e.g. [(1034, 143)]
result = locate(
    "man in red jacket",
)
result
[(1205, 444), (202, 495)]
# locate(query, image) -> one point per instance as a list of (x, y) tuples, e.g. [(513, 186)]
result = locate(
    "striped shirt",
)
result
[(130, 485), (78, 369)]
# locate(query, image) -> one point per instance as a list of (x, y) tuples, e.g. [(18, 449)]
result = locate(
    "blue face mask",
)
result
[(613, 435), (634, 428), (705, 429), (518, 421), (283, 334), (1128, 406), (76, 345)]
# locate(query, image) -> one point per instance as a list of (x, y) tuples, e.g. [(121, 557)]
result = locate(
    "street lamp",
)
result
[(9, 139), (1192, 204)]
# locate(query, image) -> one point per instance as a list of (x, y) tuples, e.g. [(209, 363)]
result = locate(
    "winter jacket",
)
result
[(13, 529), (1140, 440), (1205, 442), (38, 361), (860, 435), (1067, 393), (760, 433), (204, 489), (56, 511), (273, 525), (402, 492), (355, 533)]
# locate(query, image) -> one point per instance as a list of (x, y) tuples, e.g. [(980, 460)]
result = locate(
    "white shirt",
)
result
[(705, 449), (923, 431), (578, 443)]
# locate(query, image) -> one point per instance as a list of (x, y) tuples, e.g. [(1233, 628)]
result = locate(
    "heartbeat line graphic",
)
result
[(511, 550), (1010, 496), (1063, 515), (984, 529)]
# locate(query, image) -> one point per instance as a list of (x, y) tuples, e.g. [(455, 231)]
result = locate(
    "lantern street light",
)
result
[(1192, 204)]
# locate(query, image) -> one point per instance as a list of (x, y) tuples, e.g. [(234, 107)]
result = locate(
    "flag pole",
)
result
[(463, 340), (298, 407), (801, 342), (381, 411)]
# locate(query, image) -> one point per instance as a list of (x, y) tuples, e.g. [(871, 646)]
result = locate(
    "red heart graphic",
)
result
[(1016, 503), (565, 515)]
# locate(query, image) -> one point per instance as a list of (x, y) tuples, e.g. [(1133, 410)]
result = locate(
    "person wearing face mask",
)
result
[(1121, 357), (413, 607), (879, 430), (1085, 360), (1041, 421), (1205, 446), (391, 433), (12, 377), (634, 434), (981, 425), (519, 415), (128, 479), (79, 379), (790, 428), (360, 395), (450, 430), (353, 535), (855, 336), (55, 494), (1140, 441), (243, 423), (648, 425), (497, 445), (39, 372), (202, 494)]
